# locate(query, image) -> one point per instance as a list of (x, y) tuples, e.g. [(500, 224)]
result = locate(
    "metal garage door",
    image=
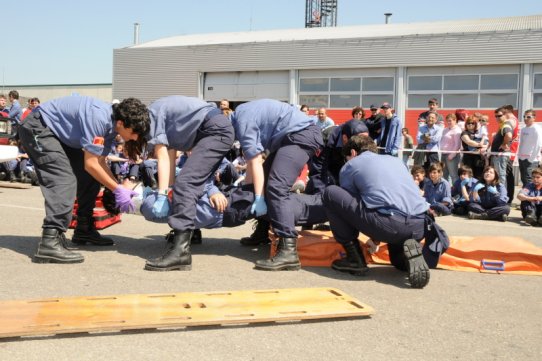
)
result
[(246, 85)]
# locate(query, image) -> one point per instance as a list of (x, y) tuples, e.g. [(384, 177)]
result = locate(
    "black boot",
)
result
[(354, 262), (86, 232), (260, 234), (473, 215), (52, 249), (11, 176), (418, 271), (286, 258), (177, 256), (196, 237), (531, 219)]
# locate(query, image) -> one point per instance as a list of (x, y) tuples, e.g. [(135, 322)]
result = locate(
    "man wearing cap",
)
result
[(389, 140), (390, 211), (374, 122)]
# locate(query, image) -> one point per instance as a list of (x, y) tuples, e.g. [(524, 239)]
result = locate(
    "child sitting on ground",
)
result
[(119, 163), (418, 174), (438, 192), (462, 189), (489, 198), (531, 199)]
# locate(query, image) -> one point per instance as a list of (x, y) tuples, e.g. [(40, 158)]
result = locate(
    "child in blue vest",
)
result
[(437, 191), (489, 198), (462, 190), (418, 174), (531, 199)]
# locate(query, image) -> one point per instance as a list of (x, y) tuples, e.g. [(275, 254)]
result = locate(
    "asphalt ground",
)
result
[(458, 316)]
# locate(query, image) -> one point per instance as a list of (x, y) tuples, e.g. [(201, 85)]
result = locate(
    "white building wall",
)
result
[(149, 73)]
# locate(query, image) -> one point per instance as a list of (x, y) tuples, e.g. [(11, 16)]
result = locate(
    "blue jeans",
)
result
[(500, 163), (450, 168), (525, 170)]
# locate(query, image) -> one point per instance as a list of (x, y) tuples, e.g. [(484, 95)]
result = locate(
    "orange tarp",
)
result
[(516, 255)]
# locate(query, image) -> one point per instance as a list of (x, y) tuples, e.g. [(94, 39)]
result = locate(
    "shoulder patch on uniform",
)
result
[(98, 141)]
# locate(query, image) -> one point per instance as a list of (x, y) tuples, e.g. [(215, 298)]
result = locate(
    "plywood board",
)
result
[(173, 310)]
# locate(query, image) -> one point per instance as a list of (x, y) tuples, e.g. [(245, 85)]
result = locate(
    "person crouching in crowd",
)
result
[(531, 199), (489, 198), (418, 174), (438, 192), (462, 190)]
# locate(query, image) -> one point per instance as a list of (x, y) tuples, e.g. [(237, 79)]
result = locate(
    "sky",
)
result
[(72, 42)]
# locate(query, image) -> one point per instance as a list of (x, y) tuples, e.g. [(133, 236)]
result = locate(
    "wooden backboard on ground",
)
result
[(173, 310)]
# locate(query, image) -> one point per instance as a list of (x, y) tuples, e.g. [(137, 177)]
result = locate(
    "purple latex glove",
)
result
[(123, 199)]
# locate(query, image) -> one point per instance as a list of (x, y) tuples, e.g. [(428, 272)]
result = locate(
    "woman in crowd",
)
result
[(472, 142), (450, 143)]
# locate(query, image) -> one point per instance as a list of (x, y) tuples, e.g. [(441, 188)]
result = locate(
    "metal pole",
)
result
[(136, 33), (388, 16)]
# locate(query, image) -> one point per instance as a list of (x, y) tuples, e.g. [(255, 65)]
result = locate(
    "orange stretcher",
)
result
[(173, 310), (476, 254)]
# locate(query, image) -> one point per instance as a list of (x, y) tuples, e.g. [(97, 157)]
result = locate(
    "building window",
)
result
[(345, 84), (493, 101), (344, 101), (425, 83), (500, 81), (346, 92), (464, 91), (314, 85), (315, 101)]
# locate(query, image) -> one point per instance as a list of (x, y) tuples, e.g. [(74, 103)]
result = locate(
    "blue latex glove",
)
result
[(123, 199), (478, 186), (259, 208), (492, 189), (160, 209), (465, 181)]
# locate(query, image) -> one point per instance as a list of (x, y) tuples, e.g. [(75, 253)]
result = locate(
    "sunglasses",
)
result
[(528, 116), (471, 123), (499, 115)]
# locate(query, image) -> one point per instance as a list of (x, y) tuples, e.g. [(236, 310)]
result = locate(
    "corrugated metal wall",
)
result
[(150, 73)]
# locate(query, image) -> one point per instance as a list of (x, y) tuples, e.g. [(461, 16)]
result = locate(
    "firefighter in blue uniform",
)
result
[(68, 139), (377, 197), (289, 138), (184, 123)]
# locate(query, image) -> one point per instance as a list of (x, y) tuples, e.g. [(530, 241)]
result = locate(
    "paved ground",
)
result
[(459, 315)]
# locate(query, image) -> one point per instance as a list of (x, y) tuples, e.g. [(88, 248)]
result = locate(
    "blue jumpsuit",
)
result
[(308, 209), (54, 136), (290, 138), (378, 198), (185, 123)]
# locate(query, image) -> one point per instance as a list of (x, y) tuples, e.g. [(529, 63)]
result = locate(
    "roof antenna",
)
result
[(388, 16), (136, 33)]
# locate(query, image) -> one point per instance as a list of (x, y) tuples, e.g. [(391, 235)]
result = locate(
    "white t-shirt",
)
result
[(530, 143)]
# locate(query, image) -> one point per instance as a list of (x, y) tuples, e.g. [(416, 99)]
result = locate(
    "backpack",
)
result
[(436, 241)]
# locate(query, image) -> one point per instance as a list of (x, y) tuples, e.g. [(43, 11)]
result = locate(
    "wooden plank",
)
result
[(16, 185), (173, 310)]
